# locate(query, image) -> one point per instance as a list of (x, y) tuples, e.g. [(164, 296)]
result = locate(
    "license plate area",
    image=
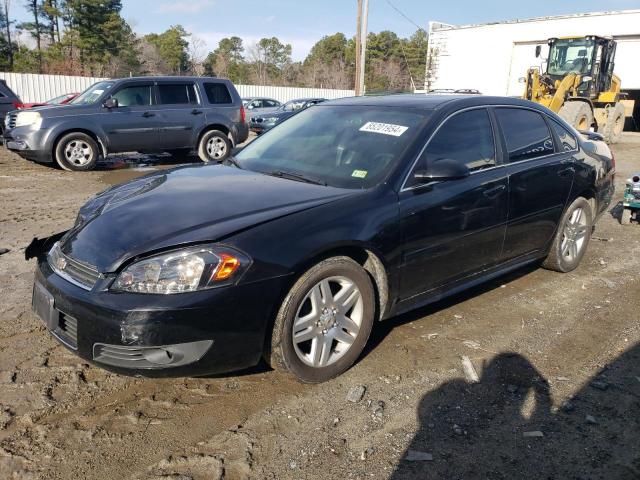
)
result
[(42, 304)]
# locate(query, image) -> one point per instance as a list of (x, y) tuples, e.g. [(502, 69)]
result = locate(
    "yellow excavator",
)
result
[(579, 84)]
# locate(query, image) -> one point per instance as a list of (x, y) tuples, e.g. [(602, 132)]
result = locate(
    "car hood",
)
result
[(47, 110), (186, 205)]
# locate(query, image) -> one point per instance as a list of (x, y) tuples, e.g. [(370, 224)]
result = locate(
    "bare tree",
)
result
[(197, 54), (151, 60)]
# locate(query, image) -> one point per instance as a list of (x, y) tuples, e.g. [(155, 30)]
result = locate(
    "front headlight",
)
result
[(185, 270), (25, 119)]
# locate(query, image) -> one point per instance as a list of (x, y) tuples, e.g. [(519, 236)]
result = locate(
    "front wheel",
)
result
[(572, 237), (324, 321), (214, 146), (77, 152)]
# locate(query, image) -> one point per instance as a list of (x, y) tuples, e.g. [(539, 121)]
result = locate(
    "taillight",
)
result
[(18, 105), (243, 114)]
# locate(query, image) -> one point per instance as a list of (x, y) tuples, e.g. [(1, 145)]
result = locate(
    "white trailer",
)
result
[(493, 57)]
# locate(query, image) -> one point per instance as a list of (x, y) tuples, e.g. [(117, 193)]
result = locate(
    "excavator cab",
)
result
[(579, 84)]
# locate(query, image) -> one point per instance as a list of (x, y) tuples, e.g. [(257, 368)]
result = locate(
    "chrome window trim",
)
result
[(502, 165), (575, 150)]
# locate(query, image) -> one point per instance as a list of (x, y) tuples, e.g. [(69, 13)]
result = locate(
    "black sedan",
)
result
[(351, 212), (260, 122)]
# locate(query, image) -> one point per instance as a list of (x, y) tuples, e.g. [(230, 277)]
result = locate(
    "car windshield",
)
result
[(572, 55), (352, 147), (58, 100), (92, 94)]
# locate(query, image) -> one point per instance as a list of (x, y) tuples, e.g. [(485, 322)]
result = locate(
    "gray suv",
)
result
[(145, 114)]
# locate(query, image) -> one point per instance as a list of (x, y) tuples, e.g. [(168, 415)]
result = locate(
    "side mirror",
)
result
[(110, 103), (441, 170), (538, 50)]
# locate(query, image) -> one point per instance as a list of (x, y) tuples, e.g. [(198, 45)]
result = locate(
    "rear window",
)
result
[(526, 133), (217, 93), (176, 94), (568, 142)]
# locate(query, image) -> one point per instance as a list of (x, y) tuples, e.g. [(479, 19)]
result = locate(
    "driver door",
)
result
[(455, 228)]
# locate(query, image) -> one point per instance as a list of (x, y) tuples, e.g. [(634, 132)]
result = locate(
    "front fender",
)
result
[(79, 123)]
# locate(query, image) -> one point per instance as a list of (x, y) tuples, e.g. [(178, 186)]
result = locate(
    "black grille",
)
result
[(67, 330), (11, 120), (77, 272)]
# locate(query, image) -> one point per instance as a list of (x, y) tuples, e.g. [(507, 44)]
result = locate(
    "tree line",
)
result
[(90, 37)]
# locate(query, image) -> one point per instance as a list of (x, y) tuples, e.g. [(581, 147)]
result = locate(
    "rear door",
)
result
[(133, 125), (453, 229), (540, 179), (180, 112)]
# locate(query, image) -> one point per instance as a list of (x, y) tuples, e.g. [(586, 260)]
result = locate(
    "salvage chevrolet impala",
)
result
[(351, 212)]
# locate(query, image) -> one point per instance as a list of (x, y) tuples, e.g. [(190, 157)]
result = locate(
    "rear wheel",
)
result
[(77, 151), (214, 146), (324, 321), (578, 114), (615, 123), (572, 237)]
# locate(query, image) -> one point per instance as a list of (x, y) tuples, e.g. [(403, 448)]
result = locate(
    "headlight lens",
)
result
[(29, 118), (186, 270)]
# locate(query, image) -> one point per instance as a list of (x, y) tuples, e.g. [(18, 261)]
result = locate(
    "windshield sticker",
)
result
[(384, 128), (359, 173)]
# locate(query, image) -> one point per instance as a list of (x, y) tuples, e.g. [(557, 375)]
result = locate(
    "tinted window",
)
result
[(217, 93), (175, 94), (568, 142), (133, 96), (271, 103), (466, 137), (525, 132)]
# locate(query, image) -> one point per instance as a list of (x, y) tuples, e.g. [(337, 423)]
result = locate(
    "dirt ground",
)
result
[(558, 358)]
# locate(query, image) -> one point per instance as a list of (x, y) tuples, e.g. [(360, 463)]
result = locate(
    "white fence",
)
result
[(39, 88)]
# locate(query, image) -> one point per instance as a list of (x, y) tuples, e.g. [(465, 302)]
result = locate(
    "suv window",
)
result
[(177, 93), (466, 137), (568, 142), (133, 96), (526, 133), (217, 93)]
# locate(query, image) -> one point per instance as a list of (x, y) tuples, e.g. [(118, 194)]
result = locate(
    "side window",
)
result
[(217, 93), (271, 103), (2, 95), (135, 95), (177, 94), (525, 132), (568, 142), (466, 137)]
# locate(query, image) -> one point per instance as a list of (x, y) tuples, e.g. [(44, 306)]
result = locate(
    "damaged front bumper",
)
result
[(188, 334)]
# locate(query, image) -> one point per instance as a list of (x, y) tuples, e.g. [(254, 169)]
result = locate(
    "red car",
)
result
[(61, 100)]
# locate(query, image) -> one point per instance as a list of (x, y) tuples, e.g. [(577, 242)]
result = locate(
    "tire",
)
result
[(77, 152), (326, 321), (572, 237), (625, 216), (615, 124), (578, 114), (214, 146)]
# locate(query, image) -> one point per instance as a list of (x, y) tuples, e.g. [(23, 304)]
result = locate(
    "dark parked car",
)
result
[(350, 212), (265, 121), (146, 114), (8, 101)]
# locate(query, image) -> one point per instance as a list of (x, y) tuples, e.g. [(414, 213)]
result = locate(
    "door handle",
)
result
[(494, 192), (196, 112), (148, 114)]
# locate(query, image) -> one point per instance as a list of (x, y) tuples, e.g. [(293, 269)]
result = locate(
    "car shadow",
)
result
[(383, 328), (504, 426), (145, 160)]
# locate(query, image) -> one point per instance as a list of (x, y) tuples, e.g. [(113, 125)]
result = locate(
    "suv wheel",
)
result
[(214, 146), (77, 152), (324, 321), (572, 237)]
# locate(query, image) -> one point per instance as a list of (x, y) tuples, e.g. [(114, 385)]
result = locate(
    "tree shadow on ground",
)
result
[(491, 429)]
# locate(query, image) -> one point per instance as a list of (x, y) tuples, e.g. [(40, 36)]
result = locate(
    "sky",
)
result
[(303, 22)]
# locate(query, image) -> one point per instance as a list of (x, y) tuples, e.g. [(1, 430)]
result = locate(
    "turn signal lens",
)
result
[(228, 265)]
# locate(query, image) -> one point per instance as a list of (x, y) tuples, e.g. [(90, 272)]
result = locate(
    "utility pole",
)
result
[(363, 43), (358, 47)]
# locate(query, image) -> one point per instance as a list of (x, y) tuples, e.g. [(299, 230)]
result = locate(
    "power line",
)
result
[(405, 16)]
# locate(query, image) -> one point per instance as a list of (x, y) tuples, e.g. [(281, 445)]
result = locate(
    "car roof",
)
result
[(168, 77), (432, 102), (309, 99)]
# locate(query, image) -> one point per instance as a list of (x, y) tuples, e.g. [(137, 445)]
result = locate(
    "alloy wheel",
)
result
[(78, 152), (574, 235), (328, 321), (216, 148)]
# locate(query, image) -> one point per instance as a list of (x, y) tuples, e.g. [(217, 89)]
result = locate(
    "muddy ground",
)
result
[(558, 358)]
